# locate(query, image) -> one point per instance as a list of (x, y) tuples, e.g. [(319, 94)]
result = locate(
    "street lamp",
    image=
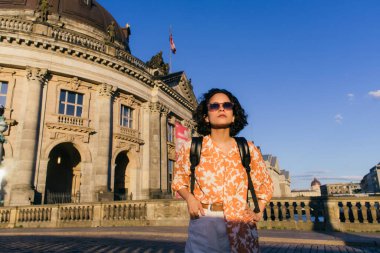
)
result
[(3, 128)]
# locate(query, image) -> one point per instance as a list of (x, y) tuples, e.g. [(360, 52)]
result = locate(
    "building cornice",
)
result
[(71, 44)]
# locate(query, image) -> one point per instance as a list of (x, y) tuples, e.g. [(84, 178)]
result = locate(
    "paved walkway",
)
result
[(172, 239)]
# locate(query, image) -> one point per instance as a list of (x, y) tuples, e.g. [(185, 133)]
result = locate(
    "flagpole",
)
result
[(170, 50)]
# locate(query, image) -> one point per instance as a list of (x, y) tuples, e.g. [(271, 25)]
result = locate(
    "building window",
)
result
[(170, 132), (170, 174), (70, 103), (126, 116), (3, 93)]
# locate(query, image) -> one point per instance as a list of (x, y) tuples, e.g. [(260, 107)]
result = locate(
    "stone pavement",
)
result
[(172, 239)]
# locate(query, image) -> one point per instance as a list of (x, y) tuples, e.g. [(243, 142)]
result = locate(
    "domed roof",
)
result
[(315, 182), (85, 11)]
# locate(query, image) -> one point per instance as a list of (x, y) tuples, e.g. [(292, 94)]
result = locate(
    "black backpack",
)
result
[(195, 156)]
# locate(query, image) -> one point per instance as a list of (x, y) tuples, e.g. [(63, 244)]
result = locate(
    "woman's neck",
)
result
[(220, 135)]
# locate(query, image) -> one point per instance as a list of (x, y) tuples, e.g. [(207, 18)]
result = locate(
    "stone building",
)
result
[(371, 182), (88, 121), (340, 189), (313, 191), (280, 178)]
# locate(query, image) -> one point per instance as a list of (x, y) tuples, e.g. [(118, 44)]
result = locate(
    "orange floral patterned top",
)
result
[(221, 177)]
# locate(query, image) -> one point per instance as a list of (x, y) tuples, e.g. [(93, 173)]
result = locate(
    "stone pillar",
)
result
[(164, 149), (103, 158), (22, 190), (143, 187), (155, 150)]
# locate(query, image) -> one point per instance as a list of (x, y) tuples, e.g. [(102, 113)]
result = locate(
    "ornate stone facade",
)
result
[(88, 120)]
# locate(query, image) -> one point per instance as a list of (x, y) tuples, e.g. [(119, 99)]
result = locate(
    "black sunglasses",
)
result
[(216, 106)]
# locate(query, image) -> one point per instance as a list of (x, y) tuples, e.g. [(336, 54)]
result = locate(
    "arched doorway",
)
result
[(63, 175), (121, 180)]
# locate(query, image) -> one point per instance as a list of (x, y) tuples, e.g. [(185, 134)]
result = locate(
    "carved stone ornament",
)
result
[(188, 123), (124, 145), (74, 83), (164, 111), (155, 107), (35, 73), (157, 63), (61, 130), (107, 90), (128, 100)]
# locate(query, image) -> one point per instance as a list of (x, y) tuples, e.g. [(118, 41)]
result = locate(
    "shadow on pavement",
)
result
[(87, 244)]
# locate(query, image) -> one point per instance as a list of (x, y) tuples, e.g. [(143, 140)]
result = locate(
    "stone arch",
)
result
[(131, 169), (82, 149), (63, 174)]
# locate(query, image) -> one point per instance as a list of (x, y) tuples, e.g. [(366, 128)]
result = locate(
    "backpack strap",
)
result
[(246, 160), (195, 156)]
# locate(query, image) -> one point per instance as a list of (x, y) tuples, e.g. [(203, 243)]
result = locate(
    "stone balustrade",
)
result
[(301, 213), (323, 213), (70, 120), (71, 37), (129, 131), (123, 55), (15, 24)]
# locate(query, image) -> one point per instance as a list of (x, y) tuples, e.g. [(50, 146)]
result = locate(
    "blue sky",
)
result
[(307, 72)]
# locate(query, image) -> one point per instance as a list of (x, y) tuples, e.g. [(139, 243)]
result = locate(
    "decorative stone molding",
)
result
[(123, 137), (35, 73), (171, 150), (164, 111), (57, 128), (134, 67), (74, 83), (106, 90), (128, 100), (189, 124), (155, 107), (69, 137), (127, 146)]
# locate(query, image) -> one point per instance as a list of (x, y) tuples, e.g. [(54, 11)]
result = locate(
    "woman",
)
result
[(221, 220)]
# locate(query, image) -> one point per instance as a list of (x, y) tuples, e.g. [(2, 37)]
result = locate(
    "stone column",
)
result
[(143, 185), (155, 150), (164, 149), (103, 158), (22, 192)]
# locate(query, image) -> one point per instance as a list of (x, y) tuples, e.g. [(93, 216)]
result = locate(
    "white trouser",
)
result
[(208, 234)]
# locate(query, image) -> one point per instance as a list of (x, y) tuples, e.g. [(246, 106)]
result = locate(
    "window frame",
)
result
[(129, 117), (66, 103)]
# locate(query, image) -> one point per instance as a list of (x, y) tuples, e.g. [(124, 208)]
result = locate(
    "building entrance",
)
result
[(63, 175), (121, 182)]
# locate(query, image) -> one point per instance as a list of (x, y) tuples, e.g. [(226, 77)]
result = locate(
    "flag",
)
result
[(172, 45)]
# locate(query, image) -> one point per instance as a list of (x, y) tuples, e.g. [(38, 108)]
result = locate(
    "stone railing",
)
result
[(65, 35), (70, 120), (15, 24), (129, 131), (119, 213), (302, 213), (123, 55), (322, 213)]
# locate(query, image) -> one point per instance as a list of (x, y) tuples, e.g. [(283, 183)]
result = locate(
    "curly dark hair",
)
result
[(199, 114)]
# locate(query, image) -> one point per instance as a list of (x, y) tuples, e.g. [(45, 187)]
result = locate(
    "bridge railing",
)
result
[(300, 213)]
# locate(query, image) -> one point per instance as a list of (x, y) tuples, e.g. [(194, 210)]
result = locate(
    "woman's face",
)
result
[(220, 111)]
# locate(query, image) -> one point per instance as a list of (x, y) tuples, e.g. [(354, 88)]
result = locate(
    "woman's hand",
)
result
[(257, 216), (194, 207)]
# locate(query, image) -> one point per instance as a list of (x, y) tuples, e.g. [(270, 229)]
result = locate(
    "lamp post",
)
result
[(3, 128)]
